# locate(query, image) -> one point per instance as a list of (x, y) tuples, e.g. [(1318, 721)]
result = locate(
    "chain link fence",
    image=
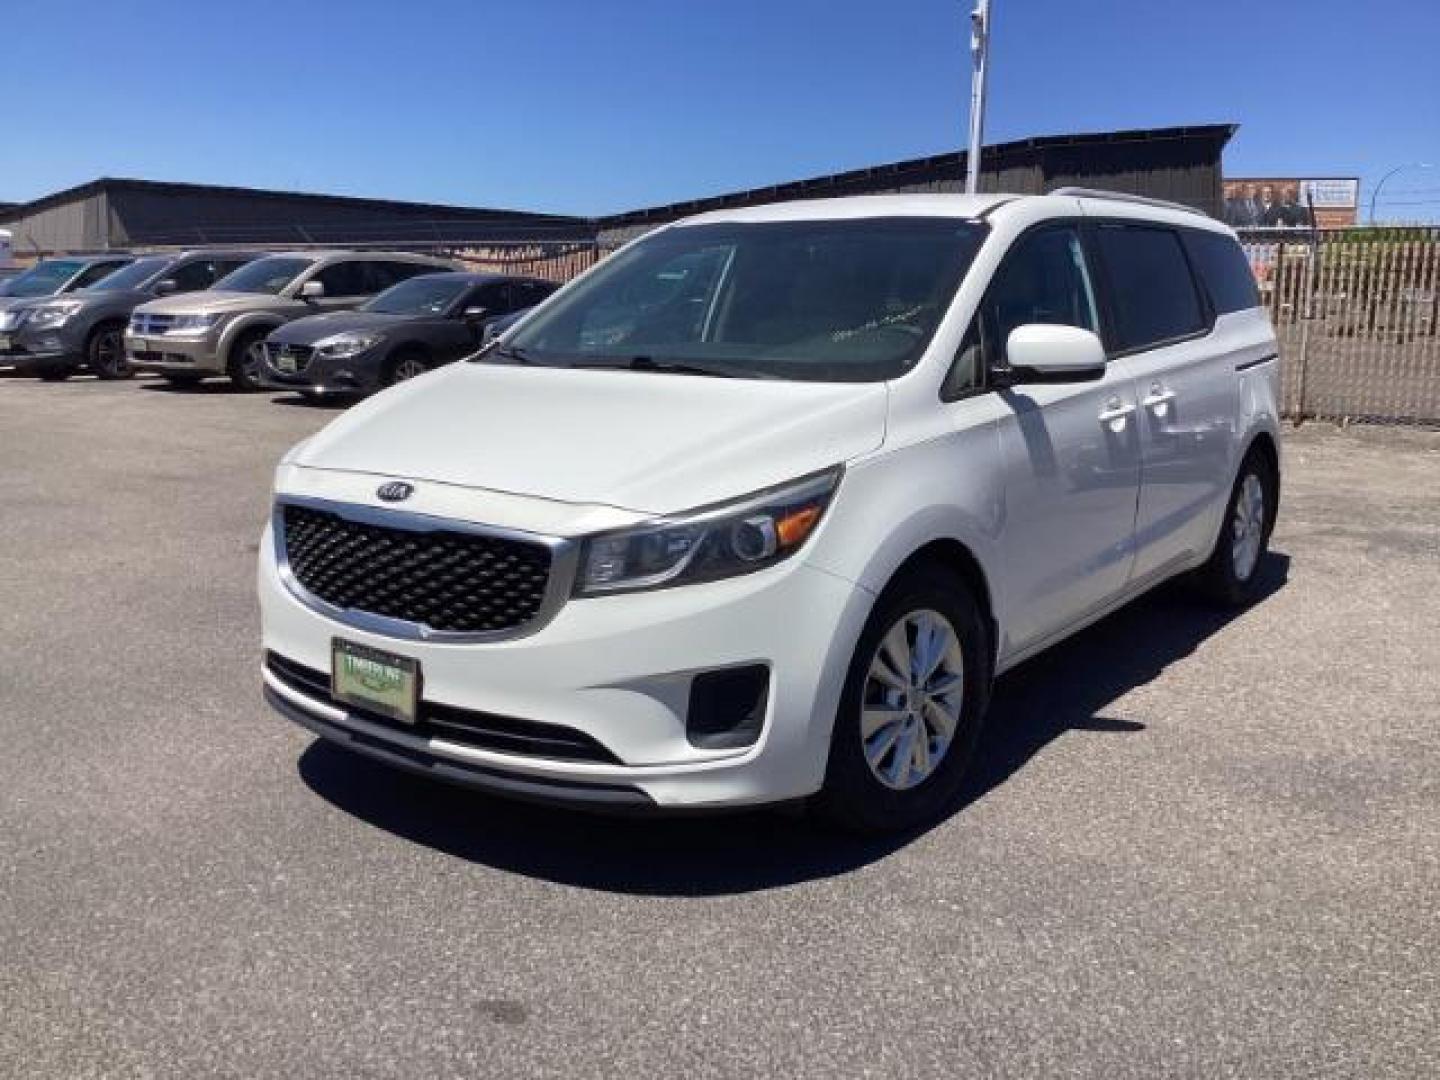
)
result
[(1357, 312)]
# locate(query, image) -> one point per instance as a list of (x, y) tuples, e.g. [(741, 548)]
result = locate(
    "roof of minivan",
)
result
[(957, 206)]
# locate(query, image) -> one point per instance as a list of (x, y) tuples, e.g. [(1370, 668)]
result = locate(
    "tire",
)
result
[(1230, 578), (181, 381), (105, 353), (246, 360), (871, 784), (405, 366)]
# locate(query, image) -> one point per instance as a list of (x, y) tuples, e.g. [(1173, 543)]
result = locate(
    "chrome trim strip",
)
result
[(564, 558)]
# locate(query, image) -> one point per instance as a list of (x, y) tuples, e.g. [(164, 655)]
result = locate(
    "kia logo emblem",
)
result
[(395, 491)]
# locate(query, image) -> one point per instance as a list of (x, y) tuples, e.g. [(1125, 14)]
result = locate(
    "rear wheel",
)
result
[(105, 353), (911, 710), (247, 360), (1231, 576)]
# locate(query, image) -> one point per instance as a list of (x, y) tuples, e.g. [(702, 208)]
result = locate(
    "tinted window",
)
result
[(525, 294), (837, 300), (44, 278), (494, 298), (194, 276), (1225, 271), (268, 275), (132, 276), (1152, 291), (96, 272), (346, 279), (431, 295), (392, 272), (1042, 280)]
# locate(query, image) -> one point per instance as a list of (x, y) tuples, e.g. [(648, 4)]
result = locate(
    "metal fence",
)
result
[(1357, 312)]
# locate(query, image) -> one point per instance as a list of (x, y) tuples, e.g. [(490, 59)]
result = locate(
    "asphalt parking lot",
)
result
[(1192, 846)]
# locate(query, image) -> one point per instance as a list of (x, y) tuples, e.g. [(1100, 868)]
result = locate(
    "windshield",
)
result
[(268, 275), (832, 301), (429, 295), (44, 278), (130, 277)]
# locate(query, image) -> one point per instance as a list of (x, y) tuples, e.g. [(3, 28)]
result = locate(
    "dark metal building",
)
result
[(1177, 163), (109, 214)]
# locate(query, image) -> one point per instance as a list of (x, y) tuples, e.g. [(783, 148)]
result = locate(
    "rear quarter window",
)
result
[(1152, 291), (1224, 270)]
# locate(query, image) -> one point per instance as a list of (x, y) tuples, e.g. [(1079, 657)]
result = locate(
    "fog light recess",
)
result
[(727, 707)]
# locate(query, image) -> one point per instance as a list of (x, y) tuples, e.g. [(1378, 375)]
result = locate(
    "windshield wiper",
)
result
[(678, 367), (513, 353)]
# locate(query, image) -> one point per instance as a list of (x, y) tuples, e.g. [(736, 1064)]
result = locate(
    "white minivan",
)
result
[(758, 508)]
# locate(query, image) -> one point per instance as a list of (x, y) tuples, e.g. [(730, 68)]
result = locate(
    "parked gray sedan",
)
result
[(405, 331), (56, 337)]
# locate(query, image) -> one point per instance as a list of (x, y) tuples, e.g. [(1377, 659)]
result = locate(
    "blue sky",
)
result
[(591, 106)]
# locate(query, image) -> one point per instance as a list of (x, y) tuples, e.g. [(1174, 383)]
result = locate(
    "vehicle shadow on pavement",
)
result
[(1067, 689)]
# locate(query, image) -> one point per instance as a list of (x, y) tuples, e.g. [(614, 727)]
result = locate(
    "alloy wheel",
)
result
[(912, 699), (1247, 526), (407, 367)]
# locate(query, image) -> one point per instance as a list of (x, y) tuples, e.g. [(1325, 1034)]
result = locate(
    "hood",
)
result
[(642, 441), (313, 328), (219, 300), (111, 298)]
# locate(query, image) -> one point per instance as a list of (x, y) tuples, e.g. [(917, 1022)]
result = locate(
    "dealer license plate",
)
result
[(4, 342), (374, 680)]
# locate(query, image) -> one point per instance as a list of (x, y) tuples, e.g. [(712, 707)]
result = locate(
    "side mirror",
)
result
[(312, 290), (166, 287), (1041, 352), (475, 314)]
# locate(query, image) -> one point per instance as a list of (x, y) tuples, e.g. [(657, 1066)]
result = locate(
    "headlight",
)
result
[(48, 316), (718, 542), (194, 324), (11, 318), (343, 345)]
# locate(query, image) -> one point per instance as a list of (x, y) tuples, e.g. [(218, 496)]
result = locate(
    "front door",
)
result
[(1070, 450)]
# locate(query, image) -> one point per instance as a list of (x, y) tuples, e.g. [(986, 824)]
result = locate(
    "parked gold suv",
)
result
[(221, 331)]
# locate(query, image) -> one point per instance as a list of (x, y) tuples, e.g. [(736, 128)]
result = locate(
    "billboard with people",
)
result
[(1287, 203)]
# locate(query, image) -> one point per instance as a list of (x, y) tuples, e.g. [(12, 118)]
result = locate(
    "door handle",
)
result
[(1159, 395), (1115, 412)]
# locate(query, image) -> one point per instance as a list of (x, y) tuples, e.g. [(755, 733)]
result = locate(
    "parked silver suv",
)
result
[(222, 330)]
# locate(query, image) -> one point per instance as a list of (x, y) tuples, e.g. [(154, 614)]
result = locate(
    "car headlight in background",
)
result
[(196, 323), (719, 542), (342, 345), (12, 318), (49, 316)]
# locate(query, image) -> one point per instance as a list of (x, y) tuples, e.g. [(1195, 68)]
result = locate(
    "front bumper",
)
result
[(174, 353), (616, 669), (26, 349), (323, 375)]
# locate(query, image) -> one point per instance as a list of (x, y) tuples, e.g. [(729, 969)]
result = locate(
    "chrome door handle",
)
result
[(1159, 395), (1115, 412)]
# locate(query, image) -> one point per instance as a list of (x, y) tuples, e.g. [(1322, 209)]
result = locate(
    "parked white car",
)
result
[(758, 508)]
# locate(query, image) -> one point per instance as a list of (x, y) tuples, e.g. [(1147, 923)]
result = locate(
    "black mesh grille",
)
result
[(449, 581)]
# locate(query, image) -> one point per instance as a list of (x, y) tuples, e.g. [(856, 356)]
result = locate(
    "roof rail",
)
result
[(1123, 196)]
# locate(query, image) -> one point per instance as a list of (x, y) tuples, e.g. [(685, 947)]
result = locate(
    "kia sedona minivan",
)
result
[(758, 508)]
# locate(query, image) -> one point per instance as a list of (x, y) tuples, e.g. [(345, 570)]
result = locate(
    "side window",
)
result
[(1042, 279), (494, 298), (1224, 269), (1151, 288), (345, 279), (194, 276), (391, 273), (94, 272), (529, 293)]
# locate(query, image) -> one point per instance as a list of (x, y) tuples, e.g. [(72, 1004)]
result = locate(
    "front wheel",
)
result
[(1231, 577), (404, 367), (105, 354), (247, 360), (911, 710)]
